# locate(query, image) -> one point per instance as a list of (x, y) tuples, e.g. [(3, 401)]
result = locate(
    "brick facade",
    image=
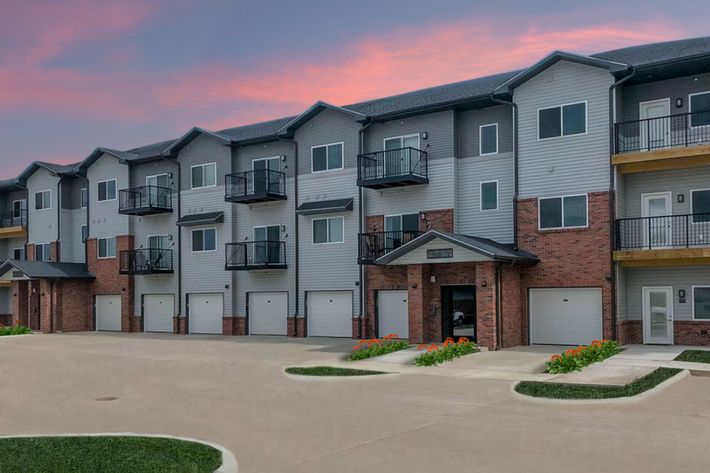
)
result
[(296, 327), (53, 251), (691, 332), (234, 326), (629, 331)]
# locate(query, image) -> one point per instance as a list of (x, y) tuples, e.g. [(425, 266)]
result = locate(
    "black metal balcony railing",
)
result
[(376, 244), (14, 218), (146, 200), (672, 231), (250, 255), (393, 168), (261, 185), (146, 261), (672, 131)]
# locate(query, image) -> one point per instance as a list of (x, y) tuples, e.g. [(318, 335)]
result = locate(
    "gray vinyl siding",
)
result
[(42, 223), (8, 245), (679, 278), (678, 88), (677, 181), (620, 193), (246, 154), (71, 245), (104, 219), (568, 164), (6, 202), (468, 127), (327, 127), (439, 128)]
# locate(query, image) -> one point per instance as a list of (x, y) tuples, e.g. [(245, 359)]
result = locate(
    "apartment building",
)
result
[(562, 203)]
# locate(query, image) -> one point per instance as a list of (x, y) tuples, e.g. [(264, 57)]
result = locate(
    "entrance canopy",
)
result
[(443, 247), (15, 270)]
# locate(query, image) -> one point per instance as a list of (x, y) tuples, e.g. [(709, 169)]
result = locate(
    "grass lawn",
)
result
[(106, 455), (694, 356), (579, 391), (329, 371)]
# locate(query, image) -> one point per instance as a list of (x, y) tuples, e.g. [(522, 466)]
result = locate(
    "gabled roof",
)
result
[(56, 169), (185, 139), (657, 53), (123, 156), (47, 270), (314, 110)]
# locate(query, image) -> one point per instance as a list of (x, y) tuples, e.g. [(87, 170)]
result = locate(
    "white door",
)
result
[(267, 313), (108, 313), (330, 314), (565, 316), (658, 315), (393, 313), (158, 312), (654, 131), (206, 312), (658, 229)]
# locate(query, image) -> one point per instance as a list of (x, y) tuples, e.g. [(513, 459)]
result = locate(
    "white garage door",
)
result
[(330, 314), (206, 311), (571, 316), (158, 312), (393, 313), (267, 313), (108, 313)]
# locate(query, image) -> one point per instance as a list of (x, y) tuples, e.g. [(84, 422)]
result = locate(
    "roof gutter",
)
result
[(515, 166)]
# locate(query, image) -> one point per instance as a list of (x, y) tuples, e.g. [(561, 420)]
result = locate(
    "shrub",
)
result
[(447, 351), (376, 347), (584, 355), (14, 330), (330, 371)]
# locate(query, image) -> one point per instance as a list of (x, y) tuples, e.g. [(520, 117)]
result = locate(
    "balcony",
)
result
[(669, 142), (146, 200), (13, 224), (393, 168), (376, 244), (146, 261), (252, 187), (255, 255), (673, 240)]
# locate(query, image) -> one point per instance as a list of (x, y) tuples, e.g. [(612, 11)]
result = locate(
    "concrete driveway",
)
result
[(232, 391)]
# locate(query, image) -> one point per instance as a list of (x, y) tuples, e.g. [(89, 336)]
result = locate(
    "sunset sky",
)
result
[(79, 74)]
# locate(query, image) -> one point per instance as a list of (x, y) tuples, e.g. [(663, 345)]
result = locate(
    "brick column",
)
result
[(486, 305), (417, 283), (46, 307), (20, 303)]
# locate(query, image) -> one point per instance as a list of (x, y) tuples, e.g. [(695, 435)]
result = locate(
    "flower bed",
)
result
[(577, 358), (14, 330), (376, 347), (447, 351)]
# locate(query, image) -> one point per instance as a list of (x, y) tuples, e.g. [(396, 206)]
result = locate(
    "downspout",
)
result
[(361, 211), (179, 251), (515, 166), (57, 244), (88, 228), (612, 199), (295, 235)]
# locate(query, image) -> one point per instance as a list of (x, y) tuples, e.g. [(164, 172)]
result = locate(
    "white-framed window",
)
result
[(43, 200), (699, 107), (106, 190), (328, 230), (489, 196), (402, 222), (562, 120), (18, 254), (488, 139), (701, 302), (106, 248), (327, 157), (204, 240), (204, 175), (84, 197), (43, 252), (18, 208), (700, 205), (158, 242), (568, 211), (84, 234)]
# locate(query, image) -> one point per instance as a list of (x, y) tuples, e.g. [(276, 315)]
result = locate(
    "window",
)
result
[(700, 109), (84, 198), (489, 195), (488, 135), (328, 230), (107, 248), (327, 157), (84, 233), (159, 242), (204, 240), (204, 175), (43, 252), (563, 212), (18, 254), (563, 120), (107, 190), (43, 200), (701, 302), (700, 205), (18, 208), (267, 247), (402, 223)]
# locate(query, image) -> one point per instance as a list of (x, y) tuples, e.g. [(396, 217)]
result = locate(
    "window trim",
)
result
[(586, 203), (83, 240), (98, 246), (49, 245), (692, 211), (97, 190), (81, 197), (313, 233), (400, 215), (51, 200), (23, 250), (342, 161), (480, 140), (253, 230), (13, 207), (562, 120), (692, 289), (148, 237), (192, 242), (192, 180), (480, 196), (690, 109), (267, 158), (163, 174)]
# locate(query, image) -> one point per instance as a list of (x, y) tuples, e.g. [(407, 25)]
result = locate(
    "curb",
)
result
[(229, 462)]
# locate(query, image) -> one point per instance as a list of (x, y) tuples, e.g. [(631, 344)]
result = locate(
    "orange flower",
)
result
[(356, 347), (463, 340), (570, 352), (421, 346), (555, 358), (432, 348), (449, 339)]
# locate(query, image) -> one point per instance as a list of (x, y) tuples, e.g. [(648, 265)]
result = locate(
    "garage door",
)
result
[(571, 316), (393, 313), (158, 312), (330, 314), (108, 313), (267, 313), (206, 311)]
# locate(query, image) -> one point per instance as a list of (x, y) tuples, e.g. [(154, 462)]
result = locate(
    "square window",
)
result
[(204, 175), (549, 122), (700, 205), (107, 248), (328, 230), (489, 139), (204, 240), (327, 157), (551, 213), (574, 119), (107, 190), (701, 303), (43, 200), (575, 211), (563, 120), (563, 212), (489, 195)]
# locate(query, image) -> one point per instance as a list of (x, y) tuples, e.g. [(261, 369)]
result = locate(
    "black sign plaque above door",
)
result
[(440, 253)]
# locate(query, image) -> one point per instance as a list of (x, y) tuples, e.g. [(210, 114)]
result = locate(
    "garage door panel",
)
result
[(330, 314), (158, 312), (393, 313), (108, 313), (565, 316), (206, 312), (268, 313)]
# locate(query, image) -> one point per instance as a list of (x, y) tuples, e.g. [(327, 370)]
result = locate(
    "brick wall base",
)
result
[(296, 327), (691, 332), (629, 331), (5, 319), (234, 326), (180, 325)]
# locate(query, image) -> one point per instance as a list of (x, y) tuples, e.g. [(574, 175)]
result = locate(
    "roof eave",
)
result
[(314, 110)]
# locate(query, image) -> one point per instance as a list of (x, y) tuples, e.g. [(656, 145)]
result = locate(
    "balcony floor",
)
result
[(663, 159), (143, 211), (253, 198), (13, 232), (393, 181), (255, 267), (640, 258)]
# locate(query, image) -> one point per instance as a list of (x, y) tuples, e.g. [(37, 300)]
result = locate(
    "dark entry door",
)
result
[(34, 309), (458, 308)]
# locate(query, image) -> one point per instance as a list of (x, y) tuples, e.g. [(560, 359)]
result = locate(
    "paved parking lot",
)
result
[(232, 391)]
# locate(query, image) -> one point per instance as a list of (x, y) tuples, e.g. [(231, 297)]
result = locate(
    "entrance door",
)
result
[(267, 247), (654, 131), (158, 195), (393, 313), (657, 230), (458, 312), (264, 179), (658, 315)]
